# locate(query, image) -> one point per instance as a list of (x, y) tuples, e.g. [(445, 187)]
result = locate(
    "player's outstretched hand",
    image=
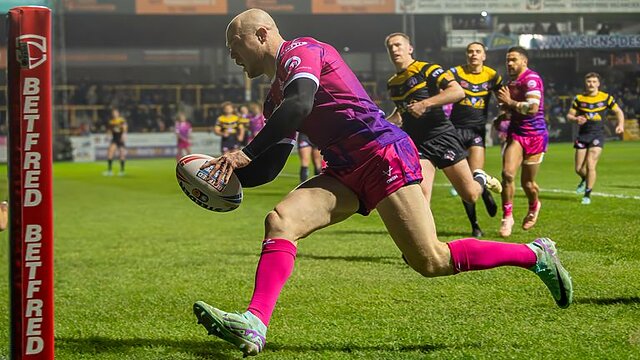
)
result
[(225, 164), (620, 129)]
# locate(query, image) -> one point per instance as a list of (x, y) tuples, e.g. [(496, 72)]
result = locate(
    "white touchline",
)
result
[(559, 191)]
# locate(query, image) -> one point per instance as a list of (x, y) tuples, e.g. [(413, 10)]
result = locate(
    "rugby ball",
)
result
[(220, 197)]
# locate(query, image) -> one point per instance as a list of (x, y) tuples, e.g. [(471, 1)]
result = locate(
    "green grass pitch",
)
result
[(132, 254)]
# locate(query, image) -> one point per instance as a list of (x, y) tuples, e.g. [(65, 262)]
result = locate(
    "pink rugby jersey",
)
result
[(344, 119), (529, 82)]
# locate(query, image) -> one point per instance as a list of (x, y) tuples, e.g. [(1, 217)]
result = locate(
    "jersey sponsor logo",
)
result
[(477, 140), (294, 45), (485, 86), (475, 87), (388, 172), (437, 72), (292, 63), (531, 84), (31, 50), (464, 84), (413, 81), (600, 104)]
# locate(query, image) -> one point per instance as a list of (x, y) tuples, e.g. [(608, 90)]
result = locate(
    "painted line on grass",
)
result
[(557, 191)]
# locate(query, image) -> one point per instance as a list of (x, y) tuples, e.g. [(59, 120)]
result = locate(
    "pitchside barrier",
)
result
[(30, 187)]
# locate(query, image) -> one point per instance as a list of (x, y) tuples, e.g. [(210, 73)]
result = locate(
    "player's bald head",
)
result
[(250, 21)]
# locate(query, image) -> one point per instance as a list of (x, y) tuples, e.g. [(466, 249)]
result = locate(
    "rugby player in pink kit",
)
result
[(371, 164), (522, 101)]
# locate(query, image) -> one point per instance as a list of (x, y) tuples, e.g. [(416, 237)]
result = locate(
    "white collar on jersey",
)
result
[(275, 74)]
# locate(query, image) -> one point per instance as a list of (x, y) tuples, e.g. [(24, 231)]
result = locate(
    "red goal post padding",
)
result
[(30, 183)]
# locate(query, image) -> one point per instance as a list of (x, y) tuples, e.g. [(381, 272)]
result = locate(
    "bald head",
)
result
[(253, 40), (250, 21)]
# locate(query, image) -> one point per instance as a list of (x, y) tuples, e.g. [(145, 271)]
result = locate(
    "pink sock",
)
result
[(532, 207), (274, 268), (473, 254), (507, 209)]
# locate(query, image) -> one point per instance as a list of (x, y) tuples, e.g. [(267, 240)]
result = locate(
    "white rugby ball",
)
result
[(220, 198)]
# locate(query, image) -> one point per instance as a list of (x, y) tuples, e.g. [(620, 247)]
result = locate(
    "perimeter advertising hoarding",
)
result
[(99, 6), (353, 6), (516, 6), (181, 7), (272, 6)]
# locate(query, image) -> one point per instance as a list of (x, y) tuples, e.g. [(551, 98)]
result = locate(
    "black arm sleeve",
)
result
[(286, 118), (265, 167)]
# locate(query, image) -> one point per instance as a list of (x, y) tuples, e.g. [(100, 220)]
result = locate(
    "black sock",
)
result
[(316, 171), (481, 179), (470, 209), (587, 192), (304, 173), (109, 162), (121, 165)]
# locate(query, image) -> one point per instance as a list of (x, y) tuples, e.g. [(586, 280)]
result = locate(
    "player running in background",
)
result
[(4, 215), (371, 164), (419, 90), (116, 128), (229, 129), (256, 121), (522, 101), (309, 153), (183, 135), (589, 110), (244, 118), (469, 116)]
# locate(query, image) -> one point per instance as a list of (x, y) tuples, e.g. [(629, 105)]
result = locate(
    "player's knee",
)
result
[(508, 176), (277, 222)]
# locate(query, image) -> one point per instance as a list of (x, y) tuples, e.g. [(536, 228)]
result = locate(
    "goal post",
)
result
[(29, 59)]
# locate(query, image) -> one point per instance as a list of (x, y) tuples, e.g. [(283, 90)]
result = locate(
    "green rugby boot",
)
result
[(245, 330), (551, 271)]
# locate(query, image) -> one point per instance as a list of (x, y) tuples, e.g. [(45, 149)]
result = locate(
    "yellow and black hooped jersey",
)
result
[(116, 125), (595, 109), (228, 123), (471, 112), (419, 81)]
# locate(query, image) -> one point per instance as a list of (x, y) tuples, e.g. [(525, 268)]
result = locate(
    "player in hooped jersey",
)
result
[(589, 110), (522, 101), (469, 116), (419, 90), (370, 164)]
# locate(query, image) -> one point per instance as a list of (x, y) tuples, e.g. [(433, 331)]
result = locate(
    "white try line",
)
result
[(557, 191)]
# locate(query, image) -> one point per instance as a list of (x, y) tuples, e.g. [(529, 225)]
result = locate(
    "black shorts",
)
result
[(586, 141), (229, 143), (471, 136), (117, 139), (443, 150), (303, 141)]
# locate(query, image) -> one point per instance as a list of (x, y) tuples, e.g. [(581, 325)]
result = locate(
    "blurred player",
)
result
[(4, 215), (469, 116), (419, 90), (522, 101), (256, 121), (183, 135), (244, 119), (589, 110), (309, 153), (228, 128), (371, 164), (117, 129)]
